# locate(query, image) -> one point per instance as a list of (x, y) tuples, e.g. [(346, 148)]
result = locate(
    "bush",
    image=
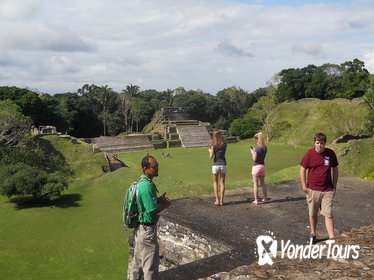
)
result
[(280, 129), (368, 173), (21, 179), (344, 118), (222, 123), (244, 127), (35, 168)]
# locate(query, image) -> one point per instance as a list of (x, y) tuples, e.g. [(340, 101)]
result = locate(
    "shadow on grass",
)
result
[(65, 201)]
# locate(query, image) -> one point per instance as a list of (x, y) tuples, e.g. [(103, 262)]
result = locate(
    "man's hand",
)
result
[(303, 179), (166, 202), (161, 199), (305, 189)]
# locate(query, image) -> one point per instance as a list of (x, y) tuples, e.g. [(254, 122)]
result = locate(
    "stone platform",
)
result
[(194, 136), (233, 228), (122, 144)]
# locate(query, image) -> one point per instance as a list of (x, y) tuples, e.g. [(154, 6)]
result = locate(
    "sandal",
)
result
[(255, 202), (216, 203)]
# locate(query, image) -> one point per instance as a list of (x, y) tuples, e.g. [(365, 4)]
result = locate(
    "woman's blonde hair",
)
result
[(260, 139), (217, 138)]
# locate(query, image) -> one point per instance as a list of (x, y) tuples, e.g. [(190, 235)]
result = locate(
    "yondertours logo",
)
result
[(267, 250)]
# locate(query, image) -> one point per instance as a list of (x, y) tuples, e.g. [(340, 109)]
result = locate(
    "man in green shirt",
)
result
[(146, 253)]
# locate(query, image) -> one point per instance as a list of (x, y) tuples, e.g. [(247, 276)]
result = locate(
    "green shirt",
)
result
[(146, 200)]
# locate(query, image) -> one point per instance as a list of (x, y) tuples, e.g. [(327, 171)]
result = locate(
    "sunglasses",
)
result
[(154, 166)]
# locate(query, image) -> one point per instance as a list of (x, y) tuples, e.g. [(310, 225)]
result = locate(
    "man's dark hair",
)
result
[(320, 137), (145, 161)]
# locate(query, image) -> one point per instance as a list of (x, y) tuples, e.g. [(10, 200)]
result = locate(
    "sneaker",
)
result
[(312, 238)]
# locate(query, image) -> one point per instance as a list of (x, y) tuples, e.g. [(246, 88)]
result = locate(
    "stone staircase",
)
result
[(122, 144), (194, 136)]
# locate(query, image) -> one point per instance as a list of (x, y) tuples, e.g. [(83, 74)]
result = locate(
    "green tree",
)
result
[(261, 110), (316, 86), (105, 97), (333, 77), (138, 107), (28, 101), (54, 112), (290, 85), (170, 94), (244, 127), (132, 90), (86, 122), (355, 80), (125, 108), (369, 100), (234, 102), (194, 102), (157, 100), (33, 168), (87, 89), (14, 126), (254, 96), (20, 179)]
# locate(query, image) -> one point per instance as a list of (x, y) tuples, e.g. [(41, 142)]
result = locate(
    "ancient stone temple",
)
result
[(179, 128), (44, 129), (172, 128)]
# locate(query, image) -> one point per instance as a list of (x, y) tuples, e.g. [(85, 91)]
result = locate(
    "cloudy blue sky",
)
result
[(59, 45)]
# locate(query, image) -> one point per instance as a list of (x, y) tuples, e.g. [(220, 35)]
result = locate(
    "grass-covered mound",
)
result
[(155, 124), (296, 122), (356, 158)]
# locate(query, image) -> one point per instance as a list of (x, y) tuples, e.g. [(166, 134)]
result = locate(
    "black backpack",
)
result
[(130, 209)]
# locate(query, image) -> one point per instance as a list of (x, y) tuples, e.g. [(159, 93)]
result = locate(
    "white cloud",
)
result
[(163, 44), (40, 38), (369, 61), (15, 9), (62, 65), (227, 48), (309, 48)]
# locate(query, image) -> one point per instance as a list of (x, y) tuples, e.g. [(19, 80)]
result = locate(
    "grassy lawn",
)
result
[(81, 236)]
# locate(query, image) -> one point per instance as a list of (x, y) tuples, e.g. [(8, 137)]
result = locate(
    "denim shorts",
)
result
[(219, 169)]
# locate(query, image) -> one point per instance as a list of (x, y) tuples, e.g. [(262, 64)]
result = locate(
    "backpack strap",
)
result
[(143, 179), (140, 214)]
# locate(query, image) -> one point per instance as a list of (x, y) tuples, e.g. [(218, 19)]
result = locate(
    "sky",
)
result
[(56, 46)]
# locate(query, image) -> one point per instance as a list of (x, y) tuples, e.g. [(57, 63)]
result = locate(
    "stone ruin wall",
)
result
[(179, 245)]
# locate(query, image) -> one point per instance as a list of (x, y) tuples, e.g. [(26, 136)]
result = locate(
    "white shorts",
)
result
[(219, 169)]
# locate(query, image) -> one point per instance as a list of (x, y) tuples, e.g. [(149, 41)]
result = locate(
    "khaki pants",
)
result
[(322, 201), (146, 253)]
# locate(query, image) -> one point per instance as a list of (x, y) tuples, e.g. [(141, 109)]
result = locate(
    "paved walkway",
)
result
[(238, 223)]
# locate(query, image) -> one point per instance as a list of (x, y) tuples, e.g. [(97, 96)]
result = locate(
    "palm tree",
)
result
[(86, 89), (104, 95), (125, 107), (132, 90), (170, 94)]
